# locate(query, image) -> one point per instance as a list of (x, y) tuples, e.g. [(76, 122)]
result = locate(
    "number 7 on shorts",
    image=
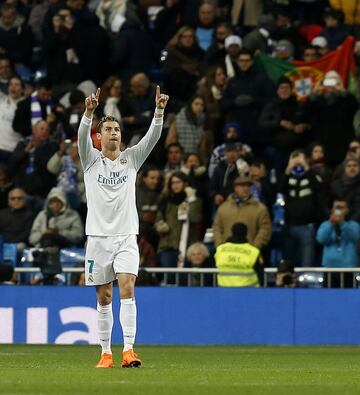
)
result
[(91, 262)]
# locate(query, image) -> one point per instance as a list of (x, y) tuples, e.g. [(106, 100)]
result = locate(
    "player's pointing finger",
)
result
[(157, 92)]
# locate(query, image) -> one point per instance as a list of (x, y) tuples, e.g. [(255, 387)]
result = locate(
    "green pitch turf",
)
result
[(184, 370)]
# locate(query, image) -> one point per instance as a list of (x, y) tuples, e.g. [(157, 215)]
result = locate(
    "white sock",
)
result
[(128, 322), (105, 322)]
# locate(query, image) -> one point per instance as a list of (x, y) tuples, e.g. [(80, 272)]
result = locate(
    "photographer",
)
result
[(339, 237), (55, 227), (304, 208), (285, 277)]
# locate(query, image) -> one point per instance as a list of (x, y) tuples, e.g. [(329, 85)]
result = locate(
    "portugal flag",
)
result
[(305, 75)]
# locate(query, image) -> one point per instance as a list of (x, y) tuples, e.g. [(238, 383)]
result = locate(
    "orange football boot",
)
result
[(106, 361), (130, 359)]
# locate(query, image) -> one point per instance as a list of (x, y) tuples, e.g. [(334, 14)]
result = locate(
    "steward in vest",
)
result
[(237, 255)]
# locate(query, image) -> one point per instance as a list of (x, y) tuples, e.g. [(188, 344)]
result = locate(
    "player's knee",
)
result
[(127, 290)]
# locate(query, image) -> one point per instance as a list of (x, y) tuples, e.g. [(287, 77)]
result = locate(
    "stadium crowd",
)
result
[(270, 163)]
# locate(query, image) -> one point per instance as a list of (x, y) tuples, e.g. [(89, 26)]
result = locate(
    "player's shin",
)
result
[(105, 322), (128, 322)]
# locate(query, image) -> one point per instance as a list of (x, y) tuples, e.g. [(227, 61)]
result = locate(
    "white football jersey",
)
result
[(110, 185)]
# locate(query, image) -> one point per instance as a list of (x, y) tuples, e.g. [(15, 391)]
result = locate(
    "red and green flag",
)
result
[(305, 75)]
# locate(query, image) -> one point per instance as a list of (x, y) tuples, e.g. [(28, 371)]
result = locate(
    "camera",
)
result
[(48, 260), (285, 275)]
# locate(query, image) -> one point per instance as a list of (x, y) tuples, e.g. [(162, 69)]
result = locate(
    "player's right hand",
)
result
[(92, 101)]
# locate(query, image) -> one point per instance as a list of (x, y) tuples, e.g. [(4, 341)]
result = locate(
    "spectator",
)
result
[(332, 110), (321, 45), (111, 14), (183, 63), (241, 206), (262, 190), (284, 50), (57, 224), (141, 107), (353, 152), (189, 129), (285, 276), (198, 257), (62, 58), (16, 38), (221, 183), (237, 255), (6, 72), (285, 30), (8, 137), (335, 31), (198, 179), (283, 125), (246, 13), (36, 18), (16, 220), (348, 187), (168, 21), (6, 185), (205, 28), (112, 99), (177, 219), (34, 108), (231, 134), (147, 194), (233, 45), (259, 40), (65, 164), (245, 95), (174, 156), (216, 53), (317, 163), (305, 206), (28, 162), (310, 53), (339, 237), (132, 50), (72, 115), (211, 89)]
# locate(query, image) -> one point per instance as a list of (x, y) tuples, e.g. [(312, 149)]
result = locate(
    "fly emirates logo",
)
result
[(116, 178)]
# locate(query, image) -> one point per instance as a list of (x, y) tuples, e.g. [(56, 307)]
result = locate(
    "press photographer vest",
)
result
[(239, 258)]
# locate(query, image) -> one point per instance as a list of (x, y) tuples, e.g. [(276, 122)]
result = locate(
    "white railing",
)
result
[(190, 272)]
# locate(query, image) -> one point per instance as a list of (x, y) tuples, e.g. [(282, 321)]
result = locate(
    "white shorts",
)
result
[(106, 256)]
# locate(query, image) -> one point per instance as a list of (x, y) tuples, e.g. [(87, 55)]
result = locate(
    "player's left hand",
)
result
[(160, 99)]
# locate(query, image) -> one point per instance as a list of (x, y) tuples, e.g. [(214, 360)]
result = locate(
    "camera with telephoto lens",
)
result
[(47, 259)]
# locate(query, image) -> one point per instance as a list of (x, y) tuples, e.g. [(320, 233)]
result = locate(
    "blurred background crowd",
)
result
[(260, 146)]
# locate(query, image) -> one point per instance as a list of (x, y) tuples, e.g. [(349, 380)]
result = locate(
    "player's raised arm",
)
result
[(142, 150), (86, 150)]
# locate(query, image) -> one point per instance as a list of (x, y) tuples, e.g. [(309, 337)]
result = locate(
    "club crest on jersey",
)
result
[(123, 161)]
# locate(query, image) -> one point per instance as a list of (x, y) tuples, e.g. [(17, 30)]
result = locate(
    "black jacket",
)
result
[(15, 225)]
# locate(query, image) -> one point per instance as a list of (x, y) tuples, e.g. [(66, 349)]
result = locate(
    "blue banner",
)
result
[(175, 315)]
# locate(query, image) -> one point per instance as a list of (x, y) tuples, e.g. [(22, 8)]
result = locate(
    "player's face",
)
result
[(110, 136)]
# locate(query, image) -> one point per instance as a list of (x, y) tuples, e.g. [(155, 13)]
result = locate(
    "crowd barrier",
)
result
[(185, 315)]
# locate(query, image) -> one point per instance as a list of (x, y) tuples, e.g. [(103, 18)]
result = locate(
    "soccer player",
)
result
[(112, 220)]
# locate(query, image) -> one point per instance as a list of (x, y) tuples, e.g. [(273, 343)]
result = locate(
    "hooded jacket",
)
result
[(68, 221)]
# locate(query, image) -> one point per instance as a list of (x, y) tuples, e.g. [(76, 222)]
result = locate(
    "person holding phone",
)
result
[(339, 237)]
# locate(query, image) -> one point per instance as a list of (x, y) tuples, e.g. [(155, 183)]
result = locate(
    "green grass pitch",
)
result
[(242, 370)]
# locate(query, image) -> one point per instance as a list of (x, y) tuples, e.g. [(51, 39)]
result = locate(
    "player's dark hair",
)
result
[(107, 118)]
